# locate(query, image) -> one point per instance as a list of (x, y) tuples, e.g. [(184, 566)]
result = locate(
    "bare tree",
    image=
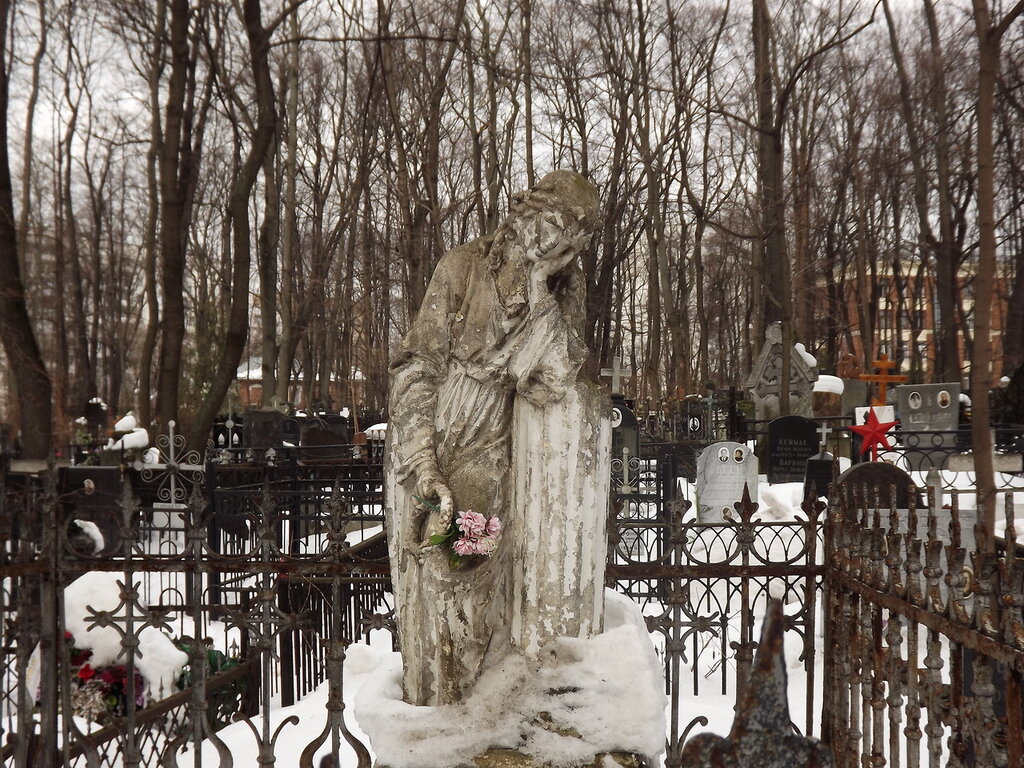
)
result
[(18, 336)]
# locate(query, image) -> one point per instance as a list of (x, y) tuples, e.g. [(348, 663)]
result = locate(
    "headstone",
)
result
[(818, 475), (95, 416), (792, 440), (855, 395), (764, 382), (928, 408), (722, 471), (324, 439), (291, 430), (91, 494), (262, 429), (878, 479), (625, 428)]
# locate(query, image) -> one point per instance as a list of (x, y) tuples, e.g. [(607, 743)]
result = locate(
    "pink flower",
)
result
[(485, 545), (464, 547), (494, 527), (471, 523)]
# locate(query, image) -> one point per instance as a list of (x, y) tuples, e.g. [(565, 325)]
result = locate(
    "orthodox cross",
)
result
[(617, 373), (884, 377)]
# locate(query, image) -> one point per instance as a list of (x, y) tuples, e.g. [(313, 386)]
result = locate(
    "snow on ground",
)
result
[(606, 689)]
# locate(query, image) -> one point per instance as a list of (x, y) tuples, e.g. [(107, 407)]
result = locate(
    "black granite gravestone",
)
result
[(262, 429), (792, 440), (625, 428), (91, 494), (818, 475)]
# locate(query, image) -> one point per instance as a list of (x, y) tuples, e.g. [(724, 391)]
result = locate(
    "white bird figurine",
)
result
[(126, 423)]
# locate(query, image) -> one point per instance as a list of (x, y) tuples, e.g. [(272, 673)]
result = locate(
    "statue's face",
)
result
[(547, 235)]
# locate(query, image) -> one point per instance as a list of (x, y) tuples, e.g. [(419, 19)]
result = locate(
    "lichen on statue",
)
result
[(489, 412)]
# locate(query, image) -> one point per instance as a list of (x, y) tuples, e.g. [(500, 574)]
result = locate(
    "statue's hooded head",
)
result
[(564, 191), (564, 194)]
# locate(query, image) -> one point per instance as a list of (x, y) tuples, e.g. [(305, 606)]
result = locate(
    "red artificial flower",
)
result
[(86, 673)]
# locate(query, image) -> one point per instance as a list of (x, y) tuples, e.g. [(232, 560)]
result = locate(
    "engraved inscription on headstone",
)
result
[(929, 408), (792, 440), (722, 470)]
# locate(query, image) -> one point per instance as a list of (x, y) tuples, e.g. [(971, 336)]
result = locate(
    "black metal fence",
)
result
[(272, 566)]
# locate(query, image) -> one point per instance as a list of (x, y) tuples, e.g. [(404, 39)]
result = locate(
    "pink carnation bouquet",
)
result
[(469, 534)]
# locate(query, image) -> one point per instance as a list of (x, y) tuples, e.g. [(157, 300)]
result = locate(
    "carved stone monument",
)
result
[(497, 442), (764, 382)]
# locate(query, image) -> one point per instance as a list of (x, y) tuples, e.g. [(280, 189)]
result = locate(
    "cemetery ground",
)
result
[(701, 571)]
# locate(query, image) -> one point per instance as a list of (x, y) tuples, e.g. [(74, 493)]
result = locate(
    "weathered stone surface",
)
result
[(513, 758), (764, 381), (490, 413), (762, 732)]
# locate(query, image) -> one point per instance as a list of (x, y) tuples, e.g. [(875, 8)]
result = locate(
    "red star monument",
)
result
[(873, 434)]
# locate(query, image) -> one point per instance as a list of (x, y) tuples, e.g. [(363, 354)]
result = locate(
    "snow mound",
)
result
[(600, 694), (91, 530), (158, 659), (377, 432), (137, 438), (808, 358), (826, 383), (126, 423)]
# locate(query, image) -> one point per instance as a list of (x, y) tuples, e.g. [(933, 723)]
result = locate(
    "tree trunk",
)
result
[(18, 337), (238, 213), (172, 216)]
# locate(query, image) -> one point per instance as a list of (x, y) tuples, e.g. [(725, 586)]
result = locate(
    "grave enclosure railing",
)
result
[(925, 630), (283, 561)]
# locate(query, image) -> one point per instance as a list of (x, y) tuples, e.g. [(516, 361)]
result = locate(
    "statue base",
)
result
[(582, 702), (511, 758), (498, 757)]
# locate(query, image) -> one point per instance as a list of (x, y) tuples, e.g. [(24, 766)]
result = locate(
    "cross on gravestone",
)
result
[(824, 430), (883, 377), (617, 373)]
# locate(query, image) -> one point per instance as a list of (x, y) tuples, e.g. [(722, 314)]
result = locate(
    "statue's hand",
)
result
[(432, 486)]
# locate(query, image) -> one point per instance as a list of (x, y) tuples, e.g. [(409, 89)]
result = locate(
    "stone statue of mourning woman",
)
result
[(497, 461)]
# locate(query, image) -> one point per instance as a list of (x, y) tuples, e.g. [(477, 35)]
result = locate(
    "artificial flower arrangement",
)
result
[(100, 692), (469, 534)]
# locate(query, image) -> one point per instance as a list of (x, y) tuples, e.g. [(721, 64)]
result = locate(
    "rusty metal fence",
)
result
[(266, 571), (261, 609), (925, 630)]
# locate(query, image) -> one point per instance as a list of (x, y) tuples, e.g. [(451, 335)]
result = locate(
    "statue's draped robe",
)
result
[(469, 376)]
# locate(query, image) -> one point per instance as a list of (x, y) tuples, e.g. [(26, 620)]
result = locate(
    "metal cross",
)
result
[(824, 430), (177, 465), (617, 373)]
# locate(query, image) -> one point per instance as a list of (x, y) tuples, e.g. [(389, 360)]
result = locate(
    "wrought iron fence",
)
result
[(926, 631), (264, 619), (703, 586), (280, 564)]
